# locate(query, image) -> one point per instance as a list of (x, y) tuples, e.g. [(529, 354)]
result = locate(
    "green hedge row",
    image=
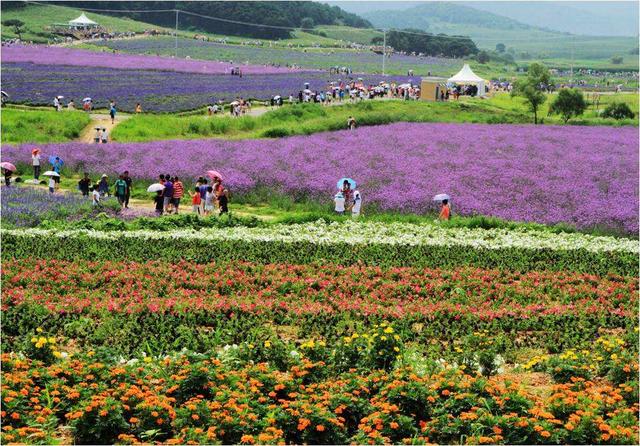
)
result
[(80, 246)]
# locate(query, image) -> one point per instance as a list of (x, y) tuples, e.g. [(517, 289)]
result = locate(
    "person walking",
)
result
[(445, 211), (167, 193), (103, 186), (178, 192), (35, 162), (129, 182), (120, 189), (138, 108), (351, 123), (84, 185), (57, 166), (223, 201), (112, 112)]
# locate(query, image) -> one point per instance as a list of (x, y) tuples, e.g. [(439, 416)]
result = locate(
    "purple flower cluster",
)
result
[(83, 58), (364, 61), (162, 91), (584, 176), (28, 206)]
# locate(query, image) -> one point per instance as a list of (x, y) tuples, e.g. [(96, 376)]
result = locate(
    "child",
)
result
[(7, 177), (96, 196), (339, 200), (223, 201), (357, 204), (159, 201), (52, 184), (196, 200), (208, 201)]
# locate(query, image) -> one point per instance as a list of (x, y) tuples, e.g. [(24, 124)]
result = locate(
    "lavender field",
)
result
[(583, 176), (359, 61), (161, 91), (39, 54)]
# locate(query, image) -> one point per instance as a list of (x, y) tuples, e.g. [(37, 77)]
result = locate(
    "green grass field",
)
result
[(311, 118), (38, 19), (41, 126)]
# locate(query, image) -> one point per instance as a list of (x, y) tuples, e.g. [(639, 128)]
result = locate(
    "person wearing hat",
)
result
[(35, 162), (84, 185), (103, 186)]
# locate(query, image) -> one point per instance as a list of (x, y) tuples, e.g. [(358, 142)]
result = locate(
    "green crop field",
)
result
[(41, 125)]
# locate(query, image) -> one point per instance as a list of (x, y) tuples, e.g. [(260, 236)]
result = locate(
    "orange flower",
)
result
[(605, 437), (195, 416), (394, 425), (159, 421), (545, 434), (15, 416), (133, 420), (320, 428), (497, 430), (485, 440), (569, 426), (103, 413), (303, 423), (247, 439)]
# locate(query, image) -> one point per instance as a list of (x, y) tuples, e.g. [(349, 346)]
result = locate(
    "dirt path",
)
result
[(102, 121)]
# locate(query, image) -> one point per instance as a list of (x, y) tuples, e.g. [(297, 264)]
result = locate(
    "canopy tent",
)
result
[(82, 22), (466, 76)]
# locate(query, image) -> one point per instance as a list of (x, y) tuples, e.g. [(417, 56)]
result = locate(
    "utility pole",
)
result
[(176, 35), (384, 48)]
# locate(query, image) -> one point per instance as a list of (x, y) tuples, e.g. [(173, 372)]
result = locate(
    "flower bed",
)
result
[(201, 399), (45, 55), (161, 91), (359, 61), (583, 176), (370, 243)]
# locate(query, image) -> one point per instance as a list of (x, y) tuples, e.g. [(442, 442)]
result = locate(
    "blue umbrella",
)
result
[(341, 181), (52, 160)]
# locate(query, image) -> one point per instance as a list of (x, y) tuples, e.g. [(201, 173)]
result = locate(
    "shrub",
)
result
[(618, 110), (569, 103)]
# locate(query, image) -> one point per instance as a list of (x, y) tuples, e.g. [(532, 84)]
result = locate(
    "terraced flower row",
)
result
[(296, 290), (161, 91), (583, 176), (373, 243), (46, 55), (184, 399)]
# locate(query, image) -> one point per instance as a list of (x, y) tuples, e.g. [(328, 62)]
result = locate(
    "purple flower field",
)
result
[(359, 61), (162, 91), (584, 176), (39, 54)]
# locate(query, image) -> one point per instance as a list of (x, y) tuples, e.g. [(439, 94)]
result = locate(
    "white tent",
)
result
[(82, 22), (466, 76)]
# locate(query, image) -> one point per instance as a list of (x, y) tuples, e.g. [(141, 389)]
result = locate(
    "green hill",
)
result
[(38, 18), (488, 29)]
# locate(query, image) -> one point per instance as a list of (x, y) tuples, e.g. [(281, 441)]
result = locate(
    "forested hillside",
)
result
[(286, 14)]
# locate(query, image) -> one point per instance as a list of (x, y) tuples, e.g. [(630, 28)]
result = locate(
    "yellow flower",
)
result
[(34, 340), (388, 330), (396, 349), (396, 337), (250, 345), (322, 343), (147, 359), (39, 330), (384, 338), (267, 344), (91, 353), (42, 339), (57, 354), (355, 336), (52, 340)]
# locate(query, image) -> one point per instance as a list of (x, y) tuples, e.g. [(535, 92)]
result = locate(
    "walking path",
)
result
[(103, 121)]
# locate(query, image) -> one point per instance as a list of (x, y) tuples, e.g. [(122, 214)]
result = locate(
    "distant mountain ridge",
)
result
[(432, 15)]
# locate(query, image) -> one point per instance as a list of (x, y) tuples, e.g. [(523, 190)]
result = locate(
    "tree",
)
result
[(617, 60), (532, 87), (483, 57), (618, 110), (17, 26), (500, 48), (569, 103), (307, 23)]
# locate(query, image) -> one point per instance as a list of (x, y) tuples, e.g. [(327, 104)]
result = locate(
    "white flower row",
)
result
[(362, 233)]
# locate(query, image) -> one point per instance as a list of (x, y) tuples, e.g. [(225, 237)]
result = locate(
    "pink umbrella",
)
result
[(8, 166), (214, 174)]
